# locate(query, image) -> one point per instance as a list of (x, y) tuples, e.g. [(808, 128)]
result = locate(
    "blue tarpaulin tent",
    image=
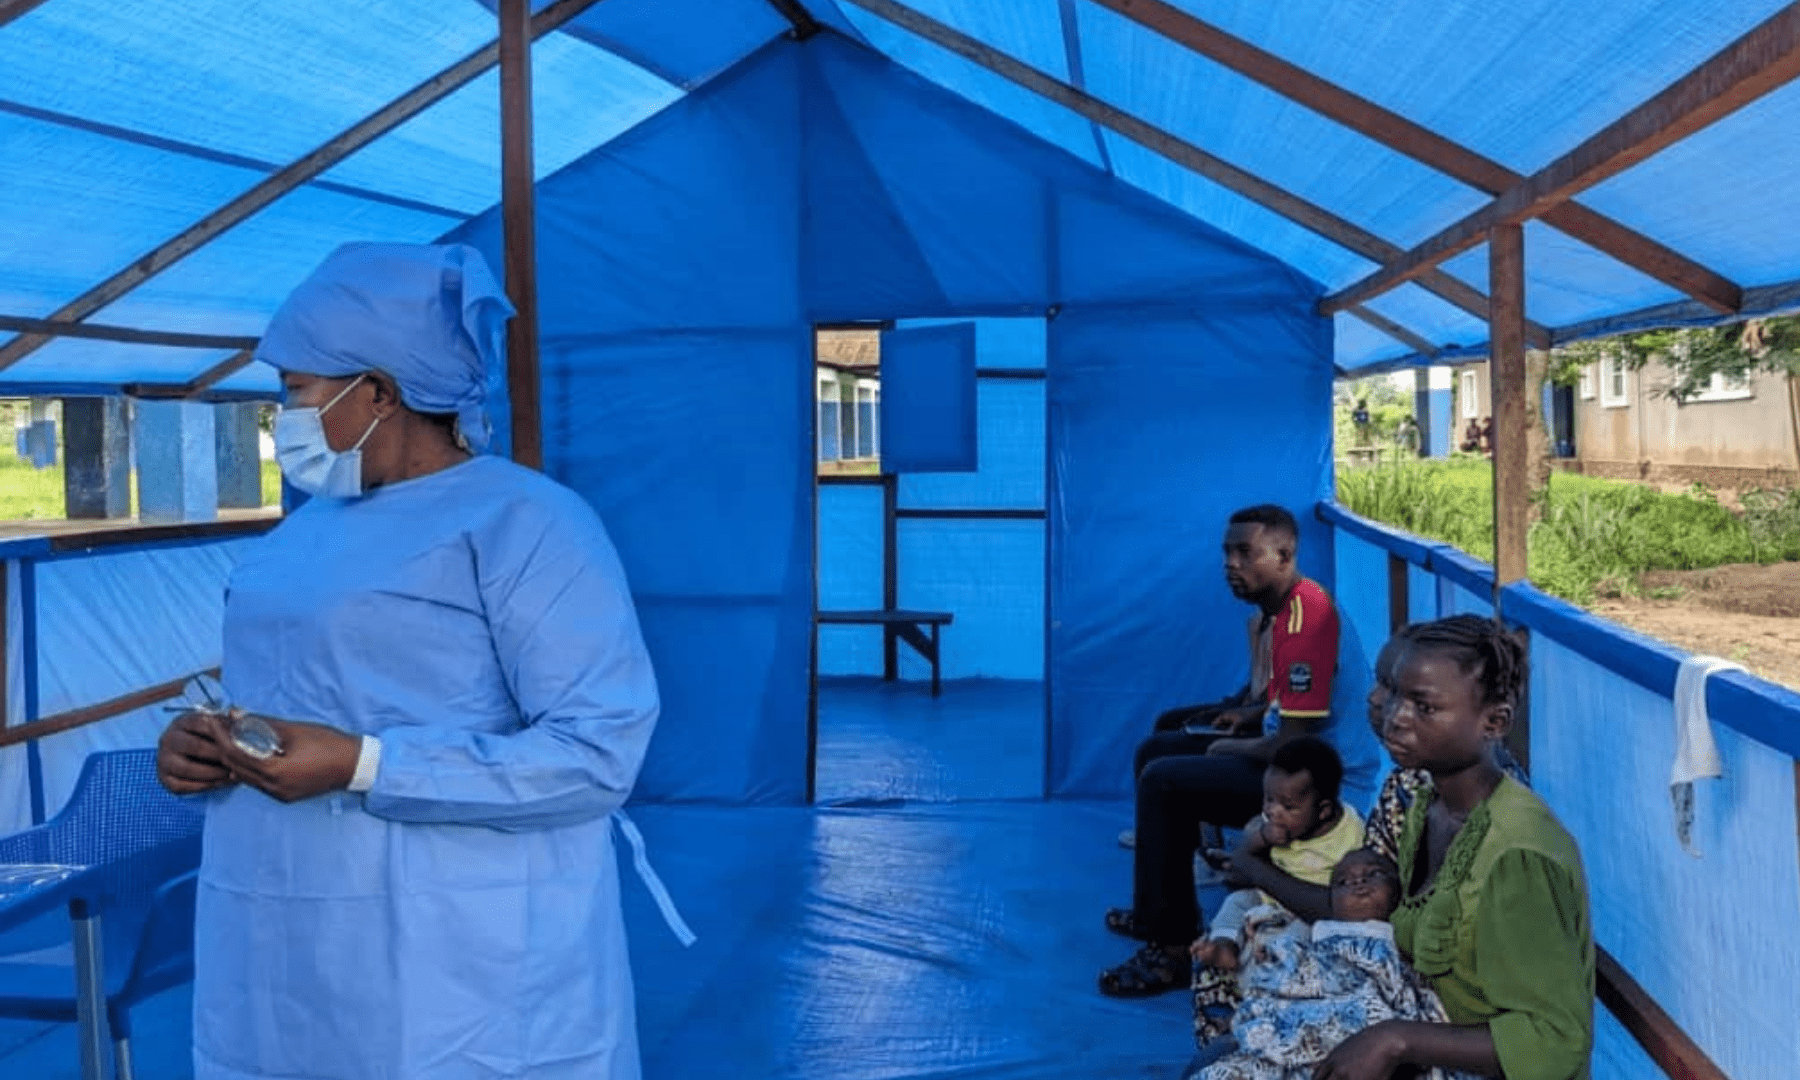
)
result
[(1156, 229)]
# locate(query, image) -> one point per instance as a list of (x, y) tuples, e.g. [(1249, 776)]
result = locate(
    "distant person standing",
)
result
[(1360, 417), (1406, 435)]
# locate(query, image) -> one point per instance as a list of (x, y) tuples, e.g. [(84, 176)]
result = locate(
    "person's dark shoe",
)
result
[(1152, 970)]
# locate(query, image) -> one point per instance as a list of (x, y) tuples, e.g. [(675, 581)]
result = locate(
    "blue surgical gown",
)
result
[(460, 920)]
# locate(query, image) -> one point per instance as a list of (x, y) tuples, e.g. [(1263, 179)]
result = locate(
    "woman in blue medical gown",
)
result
[(422, 883)]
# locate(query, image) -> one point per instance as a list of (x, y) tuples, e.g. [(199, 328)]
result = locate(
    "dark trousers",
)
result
[(1176, 793), (1169, 736), (1171, 744)]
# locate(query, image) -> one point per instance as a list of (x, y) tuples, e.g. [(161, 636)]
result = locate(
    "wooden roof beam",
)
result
[(334, 150), (1420, 143), (12, 9), (798, 17), (1417, 342), (220, 371), (1762, 60), (129, 335), (1307, 215)]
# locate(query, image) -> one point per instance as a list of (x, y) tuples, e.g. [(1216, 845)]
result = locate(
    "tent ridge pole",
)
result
[(1307, 215), (798, 17)]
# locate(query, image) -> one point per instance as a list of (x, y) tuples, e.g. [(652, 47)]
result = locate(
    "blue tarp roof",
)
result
[(124, 123)]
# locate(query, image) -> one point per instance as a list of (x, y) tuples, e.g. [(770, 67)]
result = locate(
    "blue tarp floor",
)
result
[(921, 938), (880, 741)]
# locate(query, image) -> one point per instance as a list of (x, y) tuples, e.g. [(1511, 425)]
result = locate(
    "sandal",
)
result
[(1123, 921), (1151, 970)]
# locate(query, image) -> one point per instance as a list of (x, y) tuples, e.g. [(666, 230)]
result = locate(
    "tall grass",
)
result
[(1594, 537), (1449, 500)]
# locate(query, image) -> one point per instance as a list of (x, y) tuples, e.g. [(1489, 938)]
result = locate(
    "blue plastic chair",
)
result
[(128, 852), (40, 986)]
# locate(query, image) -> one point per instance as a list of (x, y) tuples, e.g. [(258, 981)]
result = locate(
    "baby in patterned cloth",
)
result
[(1307, 989)]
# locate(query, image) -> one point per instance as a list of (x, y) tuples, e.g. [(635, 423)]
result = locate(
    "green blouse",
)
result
[(1503, 935)]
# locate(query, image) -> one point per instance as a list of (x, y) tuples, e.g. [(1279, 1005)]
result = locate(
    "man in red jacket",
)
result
[(1216, 778)]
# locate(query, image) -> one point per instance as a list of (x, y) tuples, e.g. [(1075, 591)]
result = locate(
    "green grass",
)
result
[(27, 493), (1594, 537), (31, 494)]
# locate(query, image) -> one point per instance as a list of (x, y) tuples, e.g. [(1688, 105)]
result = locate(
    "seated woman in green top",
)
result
[(1494, 911)]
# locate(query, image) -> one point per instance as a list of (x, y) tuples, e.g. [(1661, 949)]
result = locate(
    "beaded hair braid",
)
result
[(1478, 645)]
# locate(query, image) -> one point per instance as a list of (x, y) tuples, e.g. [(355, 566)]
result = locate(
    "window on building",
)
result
[(1587, 383), (830, 433), (848, 378), (1612, 382), (868, 419), (1471, 399), (1723, 387)]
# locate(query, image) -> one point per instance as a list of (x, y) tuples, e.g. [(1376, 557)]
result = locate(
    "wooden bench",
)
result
[(908, 626)]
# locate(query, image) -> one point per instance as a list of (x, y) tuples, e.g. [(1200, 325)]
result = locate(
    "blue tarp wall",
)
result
[(826, 184)]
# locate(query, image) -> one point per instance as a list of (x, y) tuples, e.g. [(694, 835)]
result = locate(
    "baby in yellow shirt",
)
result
[(1304, 828)]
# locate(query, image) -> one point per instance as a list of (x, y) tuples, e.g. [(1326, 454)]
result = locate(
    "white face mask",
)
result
[(307, 459)]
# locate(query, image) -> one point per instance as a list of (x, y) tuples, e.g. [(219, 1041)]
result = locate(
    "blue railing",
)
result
[(1768, 713)]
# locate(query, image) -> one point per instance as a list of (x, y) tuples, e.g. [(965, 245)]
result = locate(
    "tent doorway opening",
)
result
[(930, 556)]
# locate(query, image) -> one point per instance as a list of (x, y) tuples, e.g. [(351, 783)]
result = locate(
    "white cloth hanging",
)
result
[(1696, 755)]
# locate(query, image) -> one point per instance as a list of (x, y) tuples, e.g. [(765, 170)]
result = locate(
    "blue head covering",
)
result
[(428, 315)]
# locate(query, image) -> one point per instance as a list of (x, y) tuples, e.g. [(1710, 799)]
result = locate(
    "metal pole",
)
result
[(90, 990), (28, 658)]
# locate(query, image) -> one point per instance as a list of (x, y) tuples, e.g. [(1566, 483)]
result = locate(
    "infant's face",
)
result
[(1364, 888), (1291, 805)]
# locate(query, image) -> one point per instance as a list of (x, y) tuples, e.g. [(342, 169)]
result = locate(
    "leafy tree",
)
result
[(1693, 356), (1377, 390)]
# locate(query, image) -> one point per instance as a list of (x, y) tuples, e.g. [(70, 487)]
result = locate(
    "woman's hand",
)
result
[(1232, 863), (314, 759), (1231, 877), (1371, 1054), (188, 758)]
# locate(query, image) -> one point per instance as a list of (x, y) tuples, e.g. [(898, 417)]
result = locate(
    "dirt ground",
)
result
[(1750, 614)]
